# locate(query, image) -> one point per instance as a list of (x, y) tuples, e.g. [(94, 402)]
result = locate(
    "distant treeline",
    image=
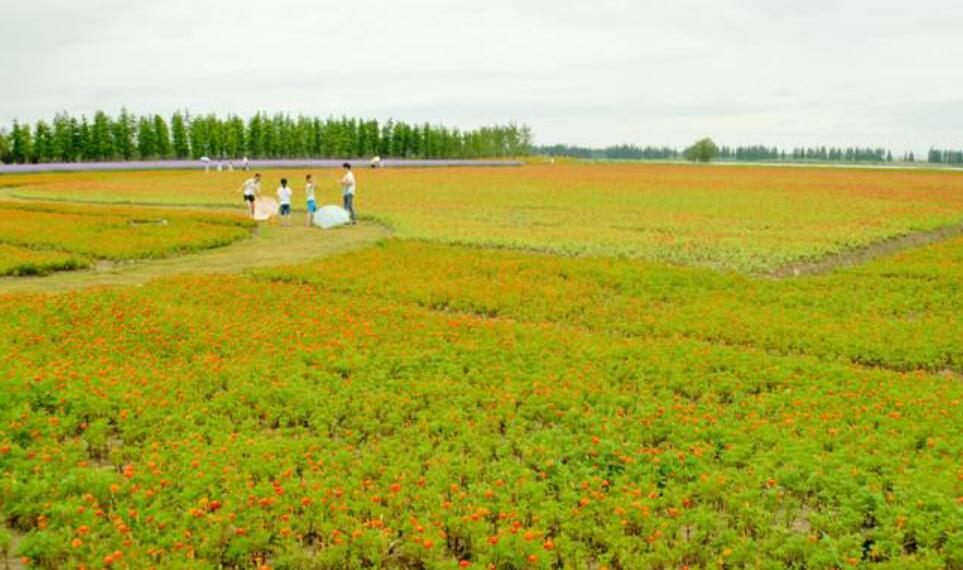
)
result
[(755, 153), (822, 154), (184, 136), (937, 156), (617, 152)]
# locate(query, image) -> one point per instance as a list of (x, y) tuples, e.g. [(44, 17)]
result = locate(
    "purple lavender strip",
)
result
[(265, 163)]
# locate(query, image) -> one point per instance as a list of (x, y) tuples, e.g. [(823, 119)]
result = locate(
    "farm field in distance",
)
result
[(734, 218), (566, 366)]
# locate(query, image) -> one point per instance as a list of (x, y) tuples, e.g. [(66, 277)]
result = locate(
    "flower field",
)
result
[(19, 261), (901, 312), (40, 238), (737, 218), (421, 404)]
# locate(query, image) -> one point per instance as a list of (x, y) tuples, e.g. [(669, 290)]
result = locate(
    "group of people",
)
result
[(252, 189), (245, 164)]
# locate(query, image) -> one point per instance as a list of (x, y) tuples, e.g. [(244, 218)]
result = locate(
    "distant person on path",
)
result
[(309, 194), (246, 164), (251, 187), (347, 190), (284, 200)]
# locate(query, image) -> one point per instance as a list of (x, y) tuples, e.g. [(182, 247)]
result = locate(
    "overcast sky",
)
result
[(776, 72)]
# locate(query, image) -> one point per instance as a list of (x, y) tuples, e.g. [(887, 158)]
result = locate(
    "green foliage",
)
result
[(123, 131), (416, 405), (181, 145), (870, 315), (101, 142), (616, 152), (21, 144), (702, 151), (43, 147), (162, 138), (146, 138), (951, 157), (263, 136), (38, 238), (5, 147)]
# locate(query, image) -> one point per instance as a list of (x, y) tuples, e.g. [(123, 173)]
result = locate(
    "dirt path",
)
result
[(270, 245), (8, 551), (867, 253)]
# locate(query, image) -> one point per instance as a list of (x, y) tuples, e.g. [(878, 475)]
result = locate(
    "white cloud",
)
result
[(777, 72)]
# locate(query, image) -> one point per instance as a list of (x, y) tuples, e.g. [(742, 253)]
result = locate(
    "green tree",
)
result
[(5, 147), (43, 148), (82, 141), (199, 135), (255, 126), (704, 150), (268, 136), (162, 138), (21, 143), (65, 138), (146, 141), (101, 139), (234, 137), (123, 132), (181, 144)]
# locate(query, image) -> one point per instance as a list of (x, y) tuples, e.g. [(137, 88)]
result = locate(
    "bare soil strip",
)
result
[(865, 254)]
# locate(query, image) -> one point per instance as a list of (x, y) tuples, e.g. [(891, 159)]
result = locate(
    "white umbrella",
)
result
[(331, 216), (264, 208)]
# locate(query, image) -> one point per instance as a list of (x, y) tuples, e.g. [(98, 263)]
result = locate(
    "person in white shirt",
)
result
[(309, 194), (347, 190), (251, 187), (284, 200)]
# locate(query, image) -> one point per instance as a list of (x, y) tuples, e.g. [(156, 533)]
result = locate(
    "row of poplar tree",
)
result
[(822, 153), (615, 152), (754, 153), (938, 156), (152, 137)]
